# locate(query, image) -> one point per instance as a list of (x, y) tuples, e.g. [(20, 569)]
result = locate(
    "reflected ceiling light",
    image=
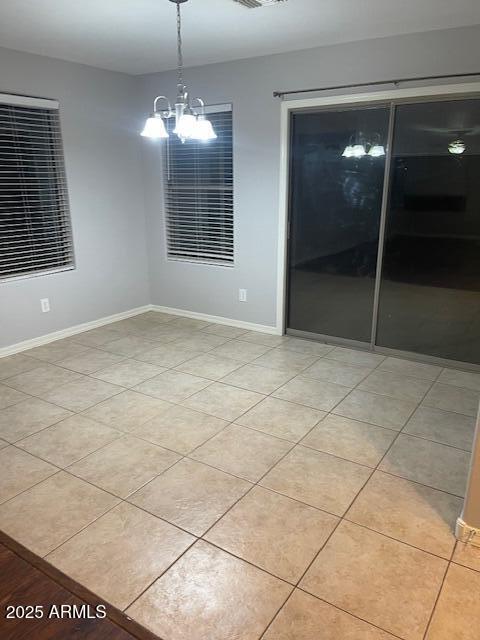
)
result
[(457, 147), (189, 124), (376, 151)]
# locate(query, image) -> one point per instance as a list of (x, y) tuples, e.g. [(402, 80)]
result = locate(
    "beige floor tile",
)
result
[(119, 555), (81, 394), (130, 346), (90, 361), (466, 379), (356, 441), (382, 411), (378, 579), (337, 372), (57, 350), (276, 533), (190, 324), (127, 411), (467, 555), (210, 595), (224, 330), (124, 466), (168, 355), (353, 356), (209, 366), (42, 379), (255, 378), (310, 347), (200, 342), (450, 398), (173, 386), (312, 393), (286, 360), (19, 471), (180, 429), (128, 373), (282, 419), (223, 401), (10, 397), (266, 339), (306, 618), (409, 512), (429, 463), (96, 337), (409, 368), (240, 351), (191, 495), (317, 479), (395, 385), (242, 452), (59, 507), (69, 440), (27, 417), (18, 363), (445, 427), (457, 614), (3, 444)]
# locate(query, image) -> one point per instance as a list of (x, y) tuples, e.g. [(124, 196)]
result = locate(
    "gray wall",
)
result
[(103, 161), (249, 84)]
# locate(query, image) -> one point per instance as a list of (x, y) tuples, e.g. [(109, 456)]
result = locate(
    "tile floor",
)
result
[(216, 483)]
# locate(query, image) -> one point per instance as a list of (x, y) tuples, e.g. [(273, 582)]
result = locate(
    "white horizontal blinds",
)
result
[(35, 233), (199, 195)]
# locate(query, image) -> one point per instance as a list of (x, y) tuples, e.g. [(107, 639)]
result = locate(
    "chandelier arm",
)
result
[(166, 113), (202, 105)]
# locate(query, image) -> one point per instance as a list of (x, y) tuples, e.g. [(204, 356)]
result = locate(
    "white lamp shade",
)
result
[(358, 151), (204, 130), (457, 147), (347, 152), (376, 151), (154, 128), (185, 126)]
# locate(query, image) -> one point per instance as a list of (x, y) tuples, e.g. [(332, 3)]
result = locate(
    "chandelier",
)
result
[(190, 121)]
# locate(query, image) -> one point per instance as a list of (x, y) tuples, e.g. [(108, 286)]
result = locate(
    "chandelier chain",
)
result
[(179, 46)]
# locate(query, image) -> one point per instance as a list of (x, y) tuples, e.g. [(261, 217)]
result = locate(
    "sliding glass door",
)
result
[(420, 203), (335, 205), (430, 288)]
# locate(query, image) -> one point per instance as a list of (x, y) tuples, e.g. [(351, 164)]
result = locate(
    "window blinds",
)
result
[(35, 231), (199, 195)]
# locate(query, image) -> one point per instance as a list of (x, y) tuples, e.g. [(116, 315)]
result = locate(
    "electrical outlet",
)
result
[(242, 295), (45, 304)]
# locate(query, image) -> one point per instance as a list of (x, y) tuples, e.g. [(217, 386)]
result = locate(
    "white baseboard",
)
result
[(71, 331), (241, 324), (466, 533), (86, 326)]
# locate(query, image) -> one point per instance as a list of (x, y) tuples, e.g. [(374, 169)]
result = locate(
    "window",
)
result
[(199, 195), (35, 233)]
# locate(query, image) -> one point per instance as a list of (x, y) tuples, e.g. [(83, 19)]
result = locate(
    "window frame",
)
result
[(48, 104), (208, 109)]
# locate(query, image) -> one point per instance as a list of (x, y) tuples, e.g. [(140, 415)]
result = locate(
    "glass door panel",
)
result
[(430, 288), (337, 167)]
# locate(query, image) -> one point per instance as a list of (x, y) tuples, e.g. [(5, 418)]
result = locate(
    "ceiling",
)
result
[(138, 36)]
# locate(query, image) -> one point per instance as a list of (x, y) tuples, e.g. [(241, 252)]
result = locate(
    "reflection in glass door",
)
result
[(336, 175), (430, 288), (419, 204)]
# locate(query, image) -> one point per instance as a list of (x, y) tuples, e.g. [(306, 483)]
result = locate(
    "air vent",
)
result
[(253, 4)]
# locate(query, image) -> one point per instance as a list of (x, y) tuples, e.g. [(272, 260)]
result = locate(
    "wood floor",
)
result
[(21, 584)]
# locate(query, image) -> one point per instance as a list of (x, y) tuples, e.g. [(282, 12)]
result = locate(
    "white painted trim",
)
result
[(333, 100), (27, 101), (71, 331), (230, 322), (466, 533)]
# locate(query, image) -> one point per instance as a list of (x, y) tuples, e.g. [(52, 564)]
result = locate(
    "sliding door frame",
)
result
[(390, 98)]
